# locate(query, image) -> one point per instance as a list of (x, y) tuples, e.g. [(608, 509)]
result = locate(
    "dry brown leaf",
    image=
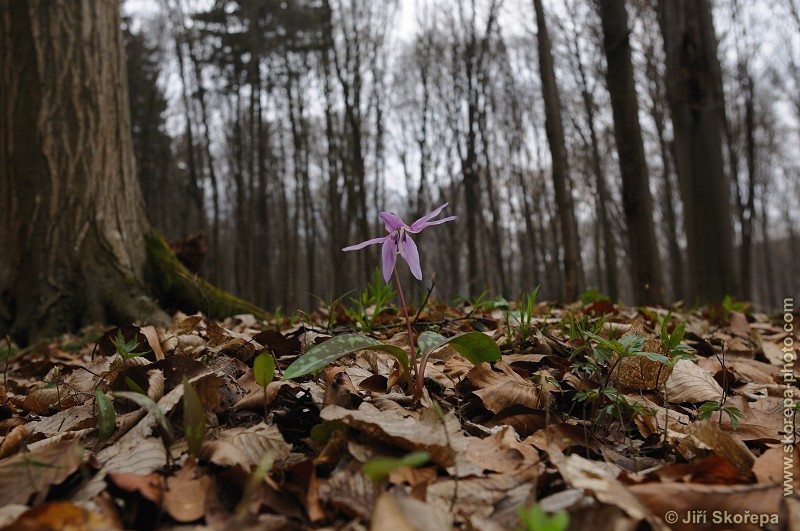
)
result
[(724, 443), (25, 474), (482, 497), (411, 431), (136, 451), (67, 420), (246, 447), (563, 436), (713, 469), (768, 467), (150, 487), (764, 425), (63, 516), (13, 441), (739, 325), (688, 500), (216, 334), (389, 515), (185, 495), (186, 325), (408, 514), (153, 340), (773, 353), (188, 345), (350, 491), (792, 514), (581, 473), (690, 383), (501, 452), (506, 388)]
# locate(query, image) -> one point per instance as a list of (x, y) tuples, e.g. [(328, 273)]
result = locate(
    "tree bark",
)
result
[(694, 94), (555, 137), (609, 271), (73, 226), (637, 202), (658, 114)]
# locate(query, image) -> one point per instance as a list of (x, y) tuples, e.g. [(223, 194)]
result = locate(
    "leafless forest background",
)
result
[(281, 128)]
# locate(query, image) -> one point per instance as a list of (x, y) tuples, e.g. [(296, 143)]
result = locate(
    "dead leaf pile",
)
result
[(538, 426)]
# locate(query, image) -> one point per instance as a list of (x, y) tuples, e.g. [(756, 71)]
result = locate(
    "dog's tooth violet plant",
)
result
[(474, 346)]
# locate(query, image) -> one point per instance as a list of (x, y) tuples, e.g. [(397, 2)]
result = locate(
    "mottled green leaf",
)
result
[(151, 408), (331, 350), (378, 468), (194, 418), (106, 418), (264, 369), (477, 347)]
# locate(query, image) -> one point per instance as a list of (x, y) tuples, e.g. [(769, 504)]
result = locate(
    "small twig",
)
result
[(413, 351)]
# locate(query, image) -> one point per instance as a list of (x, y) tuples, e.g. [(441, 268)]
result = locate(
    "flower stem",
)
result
[(413, 353)]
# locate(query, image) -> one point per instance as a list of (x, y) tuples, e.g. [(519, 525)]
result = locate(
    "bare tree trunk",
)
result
[(72, 221), (746, 205), (657, 112), (637, 202), (494, 229), (558, 151), (766, 248), (216, 273), (334, 201), (194, 185), (693, 91)]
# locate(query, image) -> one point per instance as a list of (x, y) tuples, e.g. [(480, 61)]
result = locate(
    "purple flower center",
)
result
[(397, 235)]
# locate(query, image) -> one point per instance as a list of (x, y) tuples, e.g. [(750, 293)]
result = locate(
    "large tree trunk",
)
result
[(73, 227), (694, 94), (555, 137), (74, 222), (608, 268), (637, 202)]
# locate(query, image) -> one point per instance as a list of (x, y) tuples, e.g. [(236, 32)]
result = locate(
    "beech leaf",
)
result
[(331, 350)]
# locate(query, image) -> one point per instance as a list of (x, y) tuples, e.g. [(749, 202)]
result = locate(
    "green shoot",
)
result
[(534, 518), (194, 418), (379, 468), (264, 373), (106, 416), (126, 349), (709, 408)]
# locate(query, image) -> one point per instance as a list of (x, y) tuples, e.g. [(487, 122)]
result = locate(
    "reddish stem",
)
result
[(418, 390)]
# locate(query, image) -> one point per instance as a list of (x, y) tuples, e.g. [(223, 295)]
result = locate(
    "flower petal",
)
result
[(389, 258), (424, 221), (361, 245), (409, 252), (435, 222), (392, 221)]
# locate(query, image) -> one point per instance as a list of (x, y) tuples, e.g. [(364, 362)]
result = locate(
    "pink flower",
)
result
[(399, 242)]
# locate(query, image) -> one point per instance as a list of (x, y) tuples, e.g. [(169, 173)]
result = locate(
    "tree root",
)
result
[(178, 289)]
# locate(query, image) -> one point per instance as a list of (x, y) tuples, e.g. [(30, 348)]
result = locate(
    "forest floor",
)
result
[(581, 418)]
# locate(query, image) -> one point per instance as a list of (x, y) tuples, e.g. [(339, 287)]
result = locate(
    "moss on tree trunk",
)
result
[(177, 288)]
